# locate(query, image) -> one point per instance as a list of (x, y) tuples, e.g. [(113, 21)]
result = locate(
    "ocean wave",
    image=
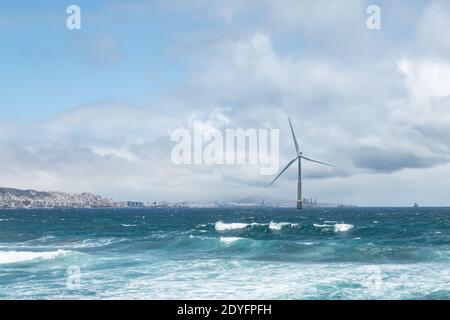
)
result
[(202, 238), (281, 225), (342, 227), (40, 244), (94, 243), (321, 225), (306, 243), (275, 226), (229, 240), (45, 238), (7, 257), (241, 279), (338, 227), (222, 226)]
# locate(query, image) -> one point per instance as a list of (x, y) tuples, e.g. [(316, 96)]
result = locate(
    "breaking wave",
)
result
[(338, 227), (276, 226), (229, 240), (342, 227), (321, 225), (7, 257), (281, 225), (221, 226)]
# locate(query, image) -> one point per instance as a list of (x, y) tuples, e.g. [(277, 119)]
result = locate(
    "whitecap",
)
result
[(258, 224), (21, 256), (306, 243), (281, 225), (94, 243), (228, 240), (342, 227), (221, 226), (128, 225), (321, 225), (45, 238)]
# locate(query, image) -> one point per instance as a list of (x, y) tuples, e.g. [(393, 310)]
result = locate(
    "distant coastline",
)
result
[(11, 198)]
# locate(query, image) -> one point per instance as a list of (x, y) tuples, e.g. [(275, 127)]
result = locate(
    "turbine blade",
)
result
[(312, 160), (288, 165), (293, 136)]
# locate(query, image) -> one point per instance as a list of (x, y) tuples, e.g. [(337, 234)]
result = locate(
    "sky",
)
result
[(92, 110)]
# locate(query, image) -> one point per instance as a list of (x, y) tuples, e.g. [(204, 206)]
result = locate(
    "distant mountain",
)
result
[(32, 194), (261, 200), (16, 198)]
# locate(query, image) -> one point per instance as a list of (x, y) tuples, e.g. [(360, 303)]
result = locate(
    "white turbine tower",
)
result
[(298, 158)]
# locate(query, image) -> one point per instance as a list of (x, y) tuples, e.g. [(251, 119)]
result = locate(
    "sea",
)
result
[(238, 253)]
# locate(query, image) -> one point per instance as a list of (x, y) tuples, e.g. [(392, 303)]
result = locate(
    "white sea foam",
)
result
[(228, 240), (281, 225), (306, 243), (240, 279), (342, 227), (221, 226), (321, 225), (21, 256), (44, 238), (92, 243), (39, 244)]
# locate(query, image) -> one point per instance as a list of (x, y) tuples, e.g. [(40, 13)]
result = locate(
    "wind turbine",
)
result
[(298, 158)]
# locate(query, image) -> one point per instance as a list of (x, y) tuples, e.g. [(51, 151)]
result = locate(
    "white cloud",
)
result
[(426, 79)]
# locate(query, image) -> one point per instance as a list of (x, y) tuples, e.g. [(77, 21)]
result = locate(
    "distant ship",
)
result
[(415, 205)]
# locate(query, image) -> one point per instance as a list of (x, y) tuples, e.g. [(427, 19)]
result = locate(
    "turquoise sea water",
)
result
[(338, 253)]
